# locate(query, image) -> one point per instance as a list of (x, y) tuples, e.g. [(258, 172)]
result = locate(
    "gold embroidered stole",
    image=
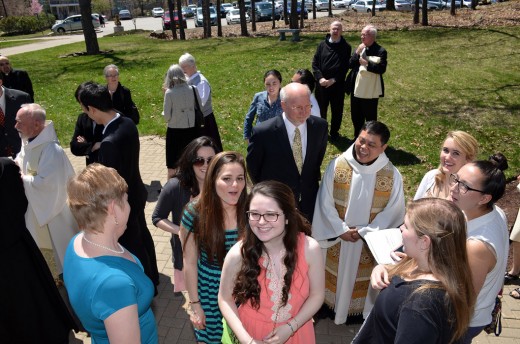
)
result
[(341, 194)]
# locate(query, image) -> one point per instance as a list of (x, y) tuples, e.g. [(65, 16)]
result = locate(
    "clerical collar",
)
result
[(332, 41), (367, 164)]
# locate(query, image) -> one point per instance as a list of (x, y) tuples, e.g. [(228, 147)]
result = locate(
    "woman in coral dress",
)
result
[(268, 273)]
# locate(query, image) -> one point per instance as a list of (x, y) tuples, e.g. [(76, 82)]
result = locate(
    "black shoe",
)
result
[(354, 320), (508, 278)]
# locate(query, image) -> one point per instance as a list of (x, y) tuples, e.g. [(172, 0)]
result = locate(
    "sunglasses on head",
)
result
[(199, 161)]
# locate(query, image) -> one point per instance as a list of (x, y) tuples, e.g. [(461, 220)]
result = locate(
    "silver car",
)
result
[(125, 14), (73, 23), (366, 6)]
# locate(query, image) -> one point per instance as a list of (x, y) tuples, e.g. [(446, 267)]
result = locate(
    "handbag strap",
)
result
[(196, 100)]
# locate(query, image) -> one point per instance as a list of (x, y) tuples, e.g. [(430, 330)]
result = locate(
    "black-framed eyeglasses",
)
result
[(268, 217), (463, 187), (199, 161)]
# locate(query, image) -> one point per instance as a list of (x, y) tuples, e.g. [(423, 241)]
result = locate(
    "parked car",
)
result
[(187, 12), (366, 6), (264, 12), (403, 5), (193, 7), (447, 4), (233, 17), (73, 23), (322, 5), (298, 10), (125, 14), (212, 16), (227, 6), (432, 5), (166, 22), (340, 3), (157, 12)]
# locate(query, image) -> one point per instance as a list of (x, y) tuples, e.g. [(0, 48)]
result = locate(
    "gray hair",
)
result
[(283, 92), (110, 66), (35, 111), (372, 29), (174, 76), (187, 59)]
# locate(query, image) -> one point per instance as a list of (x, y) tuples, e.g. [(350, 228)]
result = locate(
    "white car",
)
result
[(157, 12), (403, 5), (73, 23), (340, 3), (228, 7), (322, 5), (366, 6), (233, 17)]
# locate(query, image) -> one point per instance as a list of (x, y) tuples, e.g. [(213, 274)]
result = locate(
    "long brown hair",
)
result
[(445, 224), (246, 283), (209, 222)]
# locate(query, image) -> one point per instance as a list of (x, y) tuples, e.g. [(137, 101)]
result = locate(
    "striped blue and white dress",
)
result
[(208, 283)]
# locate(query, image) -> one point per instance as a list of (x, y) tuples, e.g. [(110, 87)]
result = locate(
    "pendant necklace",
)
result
[(104, 247)]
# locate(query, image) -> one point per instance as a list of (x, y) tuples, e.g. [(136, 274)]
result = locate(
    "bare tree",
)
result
[(273, 14), (390, 5), (424, 13), (452, 9), (373, 8), (285, 16), (89, 33), (330, 8), (302, 13), (171, 10), (416, 10)]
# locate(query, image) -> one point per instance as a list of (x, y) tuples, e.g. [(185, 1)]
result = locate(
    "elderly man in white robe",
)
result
[(45, 172), (361, 191)]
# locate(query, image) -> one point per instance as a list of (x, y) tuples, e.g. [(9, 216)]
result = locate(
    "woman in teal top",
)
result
[(265, 104), (210, 226), (107, 286)]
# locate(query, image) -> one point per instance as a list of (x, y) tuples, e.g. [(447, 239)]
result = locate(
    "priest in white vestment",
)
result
[(366, 158), (45, 172)]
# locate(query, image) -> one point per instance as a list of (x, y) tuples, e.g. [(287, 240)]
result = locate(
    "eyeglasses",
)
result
[(199, 161), (268, 217), (111, 75), (463, 188), (305, 108)]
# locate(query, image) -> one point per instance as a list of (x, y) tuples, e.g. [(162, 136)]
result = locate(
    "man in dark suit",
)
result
[(10, 103), (16, 79), (290, 148), (119, 149)]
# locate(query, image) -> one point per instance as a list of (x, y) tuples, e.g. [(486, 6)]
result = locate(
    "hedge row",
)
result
[(26, 24)]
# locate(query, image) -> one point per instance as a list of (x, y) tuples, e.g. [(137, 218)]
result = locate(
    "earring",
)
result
[(286, 222), (115, 220)]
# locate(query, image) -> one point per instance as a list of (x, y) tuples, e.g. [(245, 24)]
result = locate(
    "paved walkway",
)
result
[(173, 323)]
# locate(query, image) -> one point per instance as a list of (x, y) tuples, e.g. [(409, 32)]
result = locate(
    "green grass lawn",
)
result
[(437, 80)]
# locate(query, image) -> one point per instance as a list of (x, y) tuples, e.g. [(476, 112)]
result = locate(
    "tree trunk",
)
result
[(302, 13), (424, 13), (243, 23), (253, 16), (452, 9), (179, 15), (206, 21), (330, 8), (293, 20), (390, 5), (89, 33), (286, 20), (416, 12), (171, 11), (273, 15), (219, 21)]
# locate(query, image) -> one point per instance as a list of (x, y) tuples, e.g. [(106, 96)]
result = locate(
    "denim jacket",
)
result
[(262, 110)]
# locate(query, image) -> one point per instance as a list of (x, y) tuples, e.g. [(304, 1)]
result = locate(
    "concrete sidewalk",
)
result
[(173, 324)]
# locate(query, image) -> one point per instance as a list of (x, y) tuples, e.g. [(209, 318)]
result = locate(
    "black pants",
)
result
[(335, 96), (361, 111)]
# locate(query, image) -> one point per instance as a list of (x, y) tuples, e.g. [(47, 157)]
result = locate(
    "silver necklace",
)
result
[(106, 248)]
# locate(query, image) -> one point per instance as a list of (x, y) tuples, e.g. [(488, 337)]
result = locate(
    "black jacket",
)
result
[(378, 68), (331, 60), (19, 80)]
